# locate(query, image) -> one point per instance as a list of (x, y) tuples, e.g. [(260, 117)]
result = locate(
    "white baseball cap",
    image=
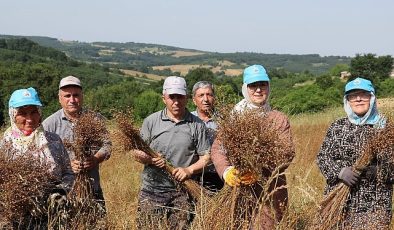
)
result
[(70, 80), (174, 85)]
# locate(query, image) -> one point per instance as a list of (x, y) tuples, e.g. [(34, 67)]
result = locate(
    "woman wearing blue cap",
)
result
[(369, 202), (27, 136), (256, 90)]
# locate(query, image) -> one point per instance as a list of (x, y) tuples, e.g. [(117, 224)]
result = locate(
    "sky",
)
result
[(330, 27)]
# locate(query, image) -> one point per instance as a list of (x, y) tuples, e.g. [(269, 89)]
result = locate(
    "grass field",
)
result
[(184, 69), (120, 174), (141, 74)]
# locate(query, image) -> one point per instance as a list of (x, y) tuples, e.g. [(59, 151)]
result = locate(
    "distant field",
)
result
[(186, 53), (141, 74), (184, 69)]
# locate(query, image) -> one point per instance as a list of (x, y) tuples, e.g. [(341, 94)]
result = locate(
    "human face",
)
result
[(27, 118), (71, 99), (175, 104), (258, 92), (359, 101), (204, 99)]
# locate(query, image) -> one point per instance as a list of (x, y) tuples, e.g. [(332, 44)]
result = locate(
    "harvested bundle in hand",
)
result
[(25, 183), (253, 144), (89, 135), (130, 138), (380, 147)]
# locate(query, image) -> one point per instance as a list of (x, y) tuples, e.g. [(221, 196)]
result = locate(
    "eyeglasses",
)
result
[(358, 96), (262, 85)]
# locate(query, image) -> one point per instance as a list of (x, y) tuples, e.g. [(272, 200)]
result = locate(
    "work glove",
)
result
[(348, 177), (57, 197), (248, 178), (371, 172), (56, 200), (233, 178)]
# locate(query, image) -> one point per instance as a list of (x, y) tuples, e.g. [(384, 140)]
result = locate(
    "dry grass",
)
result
[(130, 139), (23, 192), (120, 175), (184, 69), (141, 74)]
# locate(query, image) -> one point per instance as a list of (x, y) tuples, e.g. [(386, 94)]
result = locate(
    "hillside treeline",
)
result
[(24, 63), (142, 56)]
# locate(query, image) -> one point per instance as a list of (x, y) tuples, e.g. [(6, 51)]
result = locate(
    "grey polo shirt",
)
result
[(58, 123), (180, 143), (211, 127)]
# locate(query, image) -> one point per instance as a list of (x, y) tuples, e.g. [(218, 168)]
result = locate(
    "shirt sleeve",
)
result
[(325, 161), (219, 158), (145, 131), (202, 146)]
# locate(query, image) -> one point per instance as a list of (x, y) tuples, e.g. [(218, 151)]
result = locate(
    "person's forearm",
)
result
[(199, 165), (142, 157)]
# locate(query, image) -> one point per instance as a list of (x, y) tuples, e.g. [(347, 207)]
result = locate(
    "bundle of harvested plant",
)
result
[(130, 138), (77, 214), (25, 182), (89, 135), (252, 141), (252, 144), (331, 212)]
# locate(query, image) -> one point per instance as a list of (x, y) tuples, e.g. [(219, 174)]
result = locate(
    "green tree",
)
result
[(147, 103), (198, 74), (324, 82), (371, 67), (338, 68)]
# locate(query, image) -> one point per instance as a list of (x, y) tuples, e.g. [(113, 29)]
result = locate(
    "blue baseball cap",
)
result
[(359, 83), (23, 97), (255, 73)]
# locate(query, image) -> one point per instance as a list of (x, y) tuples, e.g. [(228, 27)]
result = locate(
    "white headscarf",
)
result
[(34, 143), (247, 103)]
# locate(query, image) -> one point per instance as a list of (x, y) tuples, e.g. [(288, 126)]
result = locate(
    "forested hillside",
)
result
[(142, 56)]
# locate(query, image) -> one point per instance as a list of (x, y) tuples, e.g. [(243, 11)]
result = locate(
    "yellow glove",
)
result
[(248, 178), (231, 178)]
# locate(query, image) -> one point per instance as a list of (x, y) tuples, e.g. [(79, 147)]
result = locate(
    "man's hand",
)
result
[(181, 174), (76, 166), (90, 162), (348, 177), (158, 161)]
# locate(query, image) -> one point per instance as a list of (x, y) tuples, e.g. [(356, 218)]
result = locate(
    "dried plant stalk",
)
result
[(89, 135), (130, 138), (252, 144), (25, 183)]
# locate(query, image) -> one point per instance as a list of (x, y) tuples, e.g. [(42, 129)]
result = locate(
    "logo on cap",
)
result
[(26, 93)]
